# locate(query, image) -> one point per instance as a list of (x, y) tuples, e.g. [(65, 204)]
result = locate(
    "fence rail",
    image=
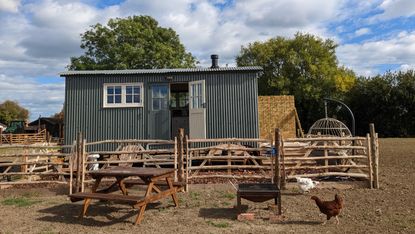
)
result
[(24, 138), (279, 161)]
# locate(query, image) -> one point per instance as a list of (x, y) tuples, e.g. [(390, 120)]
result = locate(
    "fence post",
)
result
[(369, 158), (277, 175), (375, 155), (78, 161), (188, 163), (180, 150), (175, 159), (71, 163), (83, 155)]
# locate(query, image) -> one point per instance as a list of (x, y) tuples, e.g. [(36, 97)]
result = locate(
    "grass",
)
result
[(19, 201), (218, 224), (229, 195), (194, 195)]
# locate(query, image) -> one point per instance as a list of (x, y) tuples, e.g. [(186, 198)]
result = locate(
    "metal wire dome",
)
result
[(329, 127)]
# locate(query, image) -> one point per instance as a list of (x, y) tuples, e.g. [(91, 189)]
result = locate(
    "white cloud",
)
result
[(396, 8), (37, 38), (39, 99), (406, 67), (9, 5), (365, 57), (362, 31)]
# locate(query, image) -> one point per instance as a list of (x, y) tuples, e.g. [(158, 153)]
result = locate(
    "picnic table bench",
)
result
[(159, 182)]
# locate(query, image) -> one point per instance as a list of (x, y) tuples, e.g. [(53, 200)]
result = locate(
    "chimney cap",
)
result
[(215, 59)]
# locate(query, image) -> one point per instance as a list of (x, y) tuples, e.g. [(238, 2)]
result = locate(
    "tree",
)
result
[(305, 66), (386, 100), (135, 42), (11, 110), (59, 115)]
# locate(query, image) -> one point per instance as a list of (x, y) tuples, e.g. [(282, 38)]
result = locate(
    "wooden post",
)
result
[(229, 159), (326, 154), (71, 159), (188, 163), (180, 150), (78, 162), (83, 158), (277, 175), (1, 137), (284, 178), (375, 155), (175, 159), (369, 160)]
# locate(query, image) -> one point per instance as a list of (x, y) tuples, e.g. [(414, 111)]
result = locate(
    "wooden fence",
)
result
[(33, 164), (231, 158), (144, 153), (24, 138), (349, 157), (226, 155)]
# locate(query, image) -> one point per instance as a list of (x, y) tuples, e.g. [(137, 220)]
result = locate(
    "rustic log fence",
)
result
[(24, 138), (231, 158), (33, 164), (144, 153)]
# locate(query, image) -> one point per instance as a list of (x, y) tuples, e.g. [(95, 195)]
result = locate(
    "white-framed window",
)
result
[(123, 95)]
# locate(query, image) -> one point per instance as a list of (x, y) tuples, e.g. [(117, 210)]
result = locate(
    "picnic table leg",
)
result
[(96, 184), (238, 203), (140, 214), (157, 189), (120, 181), (143, 207), (87, 201), (173, 195)]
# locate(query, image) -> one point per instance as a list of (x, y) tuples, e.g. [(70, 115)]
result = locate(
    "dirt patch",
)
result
[(210, 208)]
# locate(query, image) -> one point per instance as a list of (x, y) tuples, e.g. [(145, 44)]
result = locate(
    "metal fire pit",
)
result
[(259, 193)]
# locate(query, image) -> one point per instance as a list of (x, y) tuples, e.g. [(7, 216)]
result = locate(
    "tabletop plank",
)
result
[(132, 171)]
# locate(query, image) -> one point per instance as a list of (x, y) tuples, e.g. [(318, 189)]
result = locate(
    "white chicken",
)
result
[(306, 184)]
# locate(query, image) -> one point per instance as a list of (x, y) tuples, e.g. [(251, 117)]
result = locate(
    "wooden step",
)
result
[(105, 197)]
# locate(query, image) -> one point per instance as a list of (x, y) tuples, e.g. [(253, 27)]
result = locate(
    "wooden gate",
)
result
[(329, 156), (222, 158)]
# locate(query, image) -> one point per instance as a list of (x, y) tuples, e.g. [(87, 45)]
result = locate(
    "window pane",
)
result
[(129, 89), (156, 104), (110, 90), (117, 98), (110, 99), (129, 98), (199, 89), (164, 104), (200, 102), (136, 89), (117, 89), (163, 91), (136, 98)]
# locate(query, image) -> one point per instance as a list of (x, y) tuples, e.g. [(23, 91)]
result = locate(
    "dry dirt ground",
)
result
[(209, 208)]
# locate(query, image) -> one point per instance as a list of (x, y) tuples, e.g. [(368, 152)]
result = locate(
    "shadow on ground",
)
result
[(99, 214), (221, 213)]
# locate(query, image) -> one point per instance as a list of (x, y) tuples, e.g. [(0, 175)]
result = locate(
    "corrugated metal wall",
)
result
[(231, 102)]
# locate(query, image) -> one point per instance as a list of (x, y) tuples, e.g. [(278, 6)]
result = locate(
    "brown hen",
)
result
[(330, 208)]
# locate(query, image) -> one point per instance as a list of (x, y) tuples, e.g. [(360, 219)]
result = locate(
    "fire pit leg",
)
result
[(238, 203)]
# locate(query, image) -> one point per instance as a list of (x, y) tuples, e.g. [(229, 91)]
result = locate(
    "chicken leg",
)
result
[(337, 220)]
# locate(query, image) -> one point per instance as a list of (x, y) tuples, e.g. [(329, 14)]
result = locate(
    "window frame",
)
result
[(123, 95)]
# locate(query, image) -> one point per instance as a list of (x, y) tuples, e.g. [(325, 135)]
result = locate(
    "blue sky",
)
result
[(37, 37)]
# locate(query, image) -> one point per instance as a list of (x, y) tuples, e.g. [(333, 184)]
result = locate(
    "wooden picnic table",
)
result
[(159, 182)]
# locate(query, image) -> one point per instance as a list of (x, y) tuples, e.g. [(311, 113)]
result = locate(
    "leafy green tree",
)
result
[(11, 110), (135, 42), (386, 100), (305, 66)]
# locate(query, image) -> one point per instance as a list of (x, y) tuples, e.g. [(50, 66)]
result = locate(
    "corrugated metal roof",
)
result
[(159, 71)]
